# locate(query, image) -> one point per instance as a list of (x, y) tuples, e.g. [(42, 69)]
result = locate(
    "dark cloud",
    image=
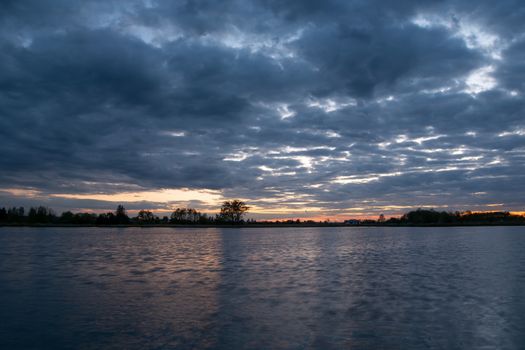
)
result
[(337, 106)]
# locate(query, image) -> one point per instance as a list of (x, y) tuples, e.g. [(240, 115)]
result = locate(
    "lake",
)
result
[(262, 288)]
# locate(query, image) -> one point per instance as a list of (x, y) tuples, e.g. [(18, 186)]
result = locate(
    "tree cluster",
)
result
[(232, 212), (422, 216)]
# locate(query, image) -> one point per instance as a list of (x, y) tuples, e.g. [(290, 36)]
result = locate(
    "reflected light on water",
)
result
[(329, 288)]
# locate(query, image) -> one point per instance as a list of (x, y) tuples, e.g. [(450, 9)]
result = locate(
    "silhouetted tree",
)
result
[(67, 217), (146, 217), (178, 216), (188, 216), (85, 219), (31, 215), (3, 215), (233, 211), (40, 215), (107, 219), (121, 217), (393, 221), (15, 214), (422, 216)]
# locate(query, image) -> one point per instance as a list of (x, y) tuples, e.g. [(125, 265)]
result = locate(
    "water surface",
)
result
[(262, 288)]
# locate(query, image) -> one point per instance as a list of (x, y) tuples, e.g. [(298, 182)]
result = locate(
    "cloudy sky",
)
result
[(302, 108)]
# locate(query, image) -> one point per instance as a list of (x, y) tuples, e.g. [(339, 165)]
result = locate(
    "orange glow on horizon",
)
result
[(283, 206), (161, 196), (21, 192)]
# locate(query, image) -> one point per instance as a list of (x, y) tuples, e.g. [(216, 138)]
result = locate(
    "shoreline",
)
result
[(260, 225)]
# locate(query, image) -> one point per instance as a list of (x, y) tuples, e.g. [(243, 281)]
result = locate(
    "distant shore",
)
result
[(277, 225), (232, 215)]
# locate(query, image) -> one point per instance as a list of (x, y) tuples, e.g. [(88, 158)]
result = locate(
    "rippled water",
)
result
[(259, 288)]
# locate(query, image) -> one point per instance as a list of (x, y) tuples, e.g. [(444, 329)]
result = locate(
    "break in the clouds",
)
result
[(302, 108)]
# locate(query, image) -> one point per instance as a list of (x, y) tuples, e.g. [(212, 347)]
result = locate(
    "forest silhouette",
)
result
[(233, 213)]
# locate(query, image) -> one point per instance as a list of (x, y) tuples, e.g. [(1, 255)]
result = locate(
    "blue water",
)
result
[(262, 288)]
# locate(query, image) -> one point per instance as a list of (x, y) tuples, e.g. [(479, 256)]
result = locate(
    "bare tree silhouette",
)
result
[(233, 211)]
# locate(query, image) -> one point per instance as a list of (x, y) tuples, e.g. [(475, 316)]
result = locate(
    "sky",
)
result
[(304, 109)]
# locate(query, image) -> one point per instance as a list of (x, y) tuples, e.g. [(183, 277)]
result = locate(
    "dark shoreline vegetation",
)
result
[(232, 214)]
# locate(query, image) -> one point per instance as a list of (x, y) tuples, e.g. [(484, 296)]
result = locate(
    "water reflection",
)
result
[(119, 289), (298, 288)]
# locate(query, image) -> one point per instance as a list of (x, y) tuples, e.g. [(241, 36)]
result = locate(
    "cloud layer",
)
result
[(303, 108)]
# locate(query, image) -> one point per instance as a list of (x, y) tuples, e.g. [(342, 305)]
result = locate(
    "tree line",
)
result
[(231, 212), (433, 217)]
